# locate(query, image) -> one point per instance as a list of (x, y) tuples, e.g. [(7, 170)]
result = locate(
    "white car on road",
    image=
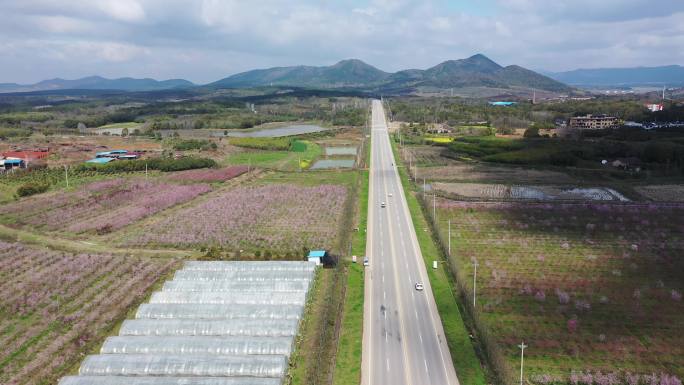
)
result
[(419, 286), (382, 204)]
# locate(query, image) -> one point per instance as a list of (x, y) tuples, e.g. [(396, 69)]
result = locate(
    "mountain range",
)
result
[(475, 71), (639, 76), (97, 83)]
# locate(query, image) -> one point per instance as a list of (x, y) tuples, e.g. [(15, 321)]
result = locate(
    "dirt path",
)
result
[(85, 246)]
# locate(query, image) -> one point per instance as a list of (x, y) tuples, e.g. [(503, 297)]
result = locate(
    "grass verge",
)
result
[(349, 348), (466, 362)]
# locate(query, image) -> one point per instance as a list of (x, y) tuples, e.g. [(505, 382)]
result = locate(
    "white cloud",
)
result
[(123, 10), (207, 39)]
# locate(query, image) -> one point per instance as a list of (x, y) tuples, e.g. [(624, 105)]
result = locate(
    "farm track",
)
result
[(76, 246)]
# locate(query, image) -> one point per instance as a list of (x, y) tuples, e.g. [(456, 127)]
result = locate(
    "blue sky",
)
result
[(205, 40)]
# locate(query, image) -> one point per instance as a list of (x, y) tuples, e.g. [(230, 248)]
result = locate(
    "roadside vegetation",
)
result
[(349, 349)]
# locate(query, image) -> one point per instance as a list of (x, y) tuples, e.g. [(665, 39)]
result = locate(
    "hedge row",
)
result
[(161, 164)]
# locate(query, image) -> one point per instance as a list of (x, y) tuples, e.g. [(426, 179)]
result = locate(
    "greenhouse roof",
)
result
[(215, 323)]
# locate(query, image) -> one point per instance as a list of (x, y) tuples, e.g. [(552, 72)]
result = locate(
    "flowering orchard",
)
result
[(56, 306), (278, 217), (100, 206), (209, 175), (594, 288)]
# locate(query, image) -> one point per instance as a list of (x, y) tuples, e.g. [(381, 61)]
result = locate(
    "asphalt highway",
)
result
[(403, 340)]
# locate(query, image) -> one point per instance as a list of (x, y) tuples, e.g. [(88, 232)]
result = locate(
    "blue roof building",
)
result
[(317, 256), (8, 164), (112, 153), (502, 104), (101, 160)]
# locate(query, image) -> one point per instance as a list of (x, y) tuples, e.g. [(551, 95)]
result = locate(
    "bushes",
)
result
[(272, 144), (298, 146), (194, 144), (539, 156), (161, 164), (32, 188)]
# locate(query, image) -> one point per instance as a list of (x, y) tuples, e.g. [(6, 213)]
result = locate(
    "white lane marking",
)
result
[(421, 337), (416, 313), (384, 295), (406, 263), (386, 336), (387, 364), (383, 278), (425, 362)]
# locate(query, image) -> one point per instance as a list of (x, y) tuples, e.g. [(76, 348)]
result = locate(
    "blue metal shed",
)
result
[(317, 256), (101, 160)]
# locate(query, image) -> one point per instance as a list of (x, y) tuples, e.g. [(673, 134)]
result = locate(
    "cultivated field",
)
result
[(434, 167), (663, 193), (592, 288), (209, 175), (506, 192), (101, 206), (283, 218), (55, 306)]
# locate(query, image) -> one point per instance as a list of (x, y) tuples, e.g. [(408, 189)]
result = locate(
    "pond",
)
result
[(333, 163), (330, 151), (297, 129)]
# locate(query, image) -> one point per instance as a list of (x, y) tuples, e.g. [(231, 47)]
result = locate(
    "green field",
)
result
[(278, 160), (120, 125)]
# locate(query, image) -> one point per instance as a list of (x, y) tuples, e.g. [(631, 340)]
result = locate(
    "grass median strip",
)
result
[(468, 368)]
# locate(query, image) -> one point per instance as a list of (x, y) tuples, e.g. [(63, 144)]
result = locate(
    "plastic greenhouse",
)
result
[(190, 327), (269, 275), (197, 345), (230, 297), (138, 380), (243, 286), (248, 265), (213, 311), (215, 323), (184, 365)]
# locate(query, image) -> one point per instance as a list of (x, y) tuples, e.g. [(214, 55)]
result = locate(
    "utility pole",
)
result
[(474, 283), (522, 360), (449, 237), (66, 175), (434, 207)]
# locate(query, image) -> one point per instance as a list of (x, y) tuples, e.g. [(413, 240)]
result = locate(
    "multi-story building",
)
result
[(591, 122)]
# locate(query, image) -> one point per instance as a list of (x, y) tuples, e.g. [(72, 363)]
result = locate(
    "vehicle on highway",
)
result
[(365, 261), (382, 204), (419, 286), (390, 195)]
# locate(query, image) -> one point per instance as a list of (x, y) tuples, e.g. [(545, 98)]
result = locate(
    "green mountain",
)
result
[(347, 73), (98, 83), (476, 71)]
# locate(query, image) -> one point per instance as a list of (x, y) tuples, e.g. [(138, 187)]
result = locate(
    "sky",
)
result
[(206, 40)]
